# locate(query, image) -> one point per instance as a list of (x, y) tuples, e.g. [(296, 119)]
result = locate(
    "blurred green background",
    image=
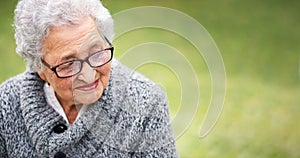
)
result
[(259, 42)]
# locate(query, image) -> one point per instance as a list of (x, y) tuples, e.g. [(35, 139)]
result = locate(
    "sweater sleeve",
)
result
[(3, 152), (157, 133)]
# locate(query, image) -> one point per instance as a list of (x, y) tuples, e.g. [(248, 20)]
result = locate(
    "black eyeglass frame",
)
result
[(111, 48)]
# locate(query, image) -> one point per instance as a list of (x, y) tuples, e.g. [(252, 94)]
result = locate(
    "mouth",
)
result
[(89, 87)]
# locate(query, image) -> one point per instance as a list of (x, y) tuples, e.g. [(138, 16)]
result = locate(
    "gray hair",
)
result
[(33, 18)]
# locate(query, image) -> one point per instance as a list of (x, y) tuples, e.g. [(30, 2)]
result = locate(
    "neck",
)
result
[(71, 112), (70, 109)]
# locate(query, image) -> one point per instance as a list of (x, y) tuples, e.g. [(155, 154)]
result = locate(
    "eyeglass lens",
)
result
[(73, 67)]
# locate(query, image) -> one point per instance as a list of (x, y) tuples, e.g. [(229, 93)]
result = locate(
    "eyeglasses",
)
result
[(71, 68)]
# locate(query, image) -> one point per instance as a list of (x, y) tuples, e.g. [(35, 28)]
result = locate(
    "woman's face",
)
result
[(71, 42)]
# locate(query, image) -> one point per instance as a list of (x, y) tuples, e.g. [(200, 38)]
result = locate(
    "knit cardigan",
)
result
[(131, 119)]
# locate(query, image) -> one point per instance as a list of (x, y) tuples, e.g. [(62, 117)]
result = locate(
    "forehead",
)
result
[(65, 39)]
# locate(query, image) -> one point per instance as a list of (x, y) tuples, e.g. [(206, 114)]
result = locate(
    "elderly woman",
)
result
[(75, 99)]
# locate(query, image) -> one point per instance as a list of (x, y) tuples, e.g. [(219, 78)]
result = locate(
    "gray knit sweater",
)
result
[(131, 119)]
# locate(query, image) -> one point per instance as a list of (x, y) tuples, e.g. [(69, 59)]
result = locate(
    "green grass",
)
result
[(259, 42)]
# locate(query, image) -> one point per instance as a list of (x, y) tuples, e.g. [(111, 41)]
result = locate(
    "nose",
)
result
[(87, 73)]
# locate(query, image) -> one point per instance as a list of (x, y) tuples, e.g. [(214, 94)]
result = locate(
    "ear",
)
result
[(42, 75)]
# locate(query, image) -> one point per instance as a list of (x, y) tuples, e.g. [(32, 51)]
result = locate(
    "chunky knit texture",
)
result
[(131, 119)]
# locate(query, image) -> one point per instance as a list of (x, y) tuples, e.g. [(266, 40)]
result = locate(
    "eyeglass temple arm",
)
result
[(46, 64), (108, 41)]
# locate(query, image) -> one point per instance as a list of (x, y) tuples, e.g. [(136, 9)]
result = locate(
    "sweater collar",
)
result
[(40, 118)]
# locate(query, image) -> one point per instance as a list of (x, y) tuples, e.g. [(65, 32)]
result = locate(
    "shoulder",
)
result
[(10, 90), (134, 92), (10, 87), (129, 77), (133, 84), (143, 110), (9, 98), (15, 82)]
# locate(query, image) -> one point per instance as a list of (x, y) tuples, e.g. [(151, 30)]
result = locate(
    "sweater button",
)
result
[(60, 128), (60, 155)]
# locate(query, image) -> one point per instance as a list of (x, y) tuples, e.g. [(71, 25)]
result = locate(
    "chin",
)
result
[(87, 98)]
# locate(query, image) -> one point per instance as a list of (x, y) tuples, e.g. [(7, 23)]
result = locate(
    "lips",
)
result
[(89, 87)]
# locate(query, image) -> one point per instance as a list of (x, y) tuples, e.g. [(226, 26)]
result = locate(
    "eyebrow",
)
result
[(69, 56), (96, 42), (74, 55), (96, 46)]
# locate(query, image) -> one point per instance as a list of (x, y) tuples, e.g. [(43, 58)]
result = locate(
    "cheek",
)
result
[(104, 73), (62, 85), (104, 70)]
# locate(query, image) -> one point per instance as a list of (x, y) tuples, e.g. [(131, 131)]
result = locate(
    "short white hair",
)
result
[(33, 18)]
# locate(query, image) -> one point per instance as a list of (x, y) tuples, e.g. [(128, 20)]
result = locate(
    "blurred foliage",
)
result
[(259, 42)]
